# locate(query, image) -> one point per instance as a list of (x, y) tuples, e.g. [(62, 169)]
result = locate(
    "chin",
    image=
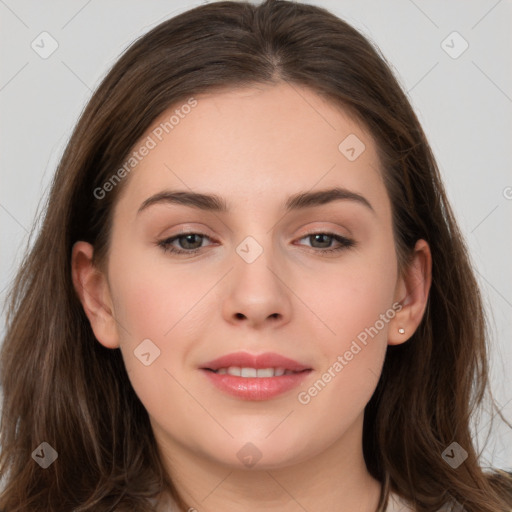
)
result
[(259, 455)]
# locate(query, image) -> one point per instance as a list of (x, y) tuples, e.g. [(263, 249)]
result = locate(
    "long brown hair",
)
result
[(64, 388)]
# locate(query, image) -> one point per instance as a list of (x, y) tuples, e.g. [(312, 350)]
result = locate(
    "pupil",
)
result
[(323, 235), (187, 241)]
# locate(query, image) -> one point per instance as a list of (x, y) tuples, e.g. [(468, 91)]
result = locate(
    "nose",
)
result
[(258, 293)]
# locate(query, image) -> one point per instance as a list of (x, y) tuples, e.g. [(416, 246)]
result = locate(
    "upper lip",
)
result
[(258, 361)]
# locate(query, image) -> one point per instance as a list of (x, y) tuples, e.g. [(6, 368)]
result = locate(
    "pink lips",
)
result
[(245, 360), (255, 388)]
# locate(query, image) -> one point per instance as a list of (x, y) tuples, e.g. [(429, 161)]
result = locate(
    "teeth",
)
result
[(253, 372), (248, 372), (234, 370)]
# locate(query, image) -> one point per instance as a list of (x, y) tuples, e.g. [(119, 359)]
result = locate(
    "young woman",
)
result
[(249, 291)]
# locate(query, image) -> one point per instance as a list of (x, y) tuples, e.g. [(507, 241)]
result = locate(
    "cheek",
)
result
[(352, 297), (355, 305), (151, 303), (153, 299)]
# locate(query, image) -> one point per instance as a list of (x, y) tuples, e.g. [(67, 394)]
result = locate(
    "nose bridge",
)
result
[(256, 258), (257, 290)]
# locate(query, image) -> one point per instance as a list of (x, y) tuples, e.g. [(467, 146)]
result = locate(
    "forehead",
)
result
[(252, 145)]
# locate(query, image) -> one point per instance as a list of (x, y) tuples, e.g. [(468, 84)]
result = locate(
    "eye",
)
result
[(190, 242), (324, 240)]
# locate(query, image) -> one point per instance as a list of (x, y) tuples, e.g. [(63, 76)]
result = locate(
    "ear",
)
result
[(411, 293), (92, 288)]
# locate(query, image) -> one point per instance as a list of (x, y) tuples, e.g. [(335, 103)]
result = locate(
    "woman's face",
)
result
[(260, 280)]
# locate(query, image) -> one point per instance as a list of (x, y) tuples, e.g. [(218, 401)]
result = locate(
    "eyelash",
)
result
[(346, 243)]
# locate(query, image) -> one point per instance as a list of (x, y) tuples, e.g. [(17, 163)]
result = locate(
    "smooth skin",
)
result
[(255, 147)]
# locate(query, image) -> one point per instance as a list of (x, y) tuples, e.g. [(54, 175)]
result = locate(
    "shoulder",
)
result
[(398, 504)]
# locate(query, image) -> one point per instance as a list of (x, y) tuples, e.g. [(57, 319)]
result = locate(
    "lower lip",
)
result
[(256, 388)]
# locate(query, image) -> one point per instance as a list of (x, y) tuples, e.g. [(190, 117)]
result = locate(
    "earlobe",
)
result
[(93, 291), (412, 293)]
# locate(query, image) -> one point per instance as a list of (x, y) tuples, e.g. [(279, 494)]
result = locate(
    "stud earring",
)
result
[(401, 330)]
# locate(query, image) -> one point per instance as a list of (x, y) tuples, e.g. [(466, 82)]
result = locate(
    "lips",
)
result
[(255, 377), (258, 362)]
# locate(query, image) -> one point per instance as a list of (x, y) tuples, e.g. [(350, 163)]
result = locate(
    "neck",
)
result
[(335, 480)]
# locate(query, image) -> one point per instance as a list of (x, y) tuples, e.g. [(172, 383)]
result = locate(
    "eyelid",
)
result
[(324, 231), (185, 229), (166, 243), (344, 242)]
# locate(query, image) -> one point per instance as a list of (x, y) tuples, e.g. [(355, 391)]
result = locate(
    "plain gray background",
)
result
[(463, 100)]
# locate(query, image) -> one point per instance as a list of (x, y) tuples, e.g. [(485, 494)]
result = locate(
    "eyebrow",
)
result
[(215, 203)]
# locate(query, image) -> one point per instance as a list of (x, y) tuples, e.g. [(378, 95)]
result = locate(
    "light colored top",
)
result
[(398, 504), (395, 504)]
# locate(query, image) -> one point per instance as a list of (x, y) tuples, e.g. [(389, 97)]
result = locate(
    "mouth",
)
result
[(255, 377), (258, 373)]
